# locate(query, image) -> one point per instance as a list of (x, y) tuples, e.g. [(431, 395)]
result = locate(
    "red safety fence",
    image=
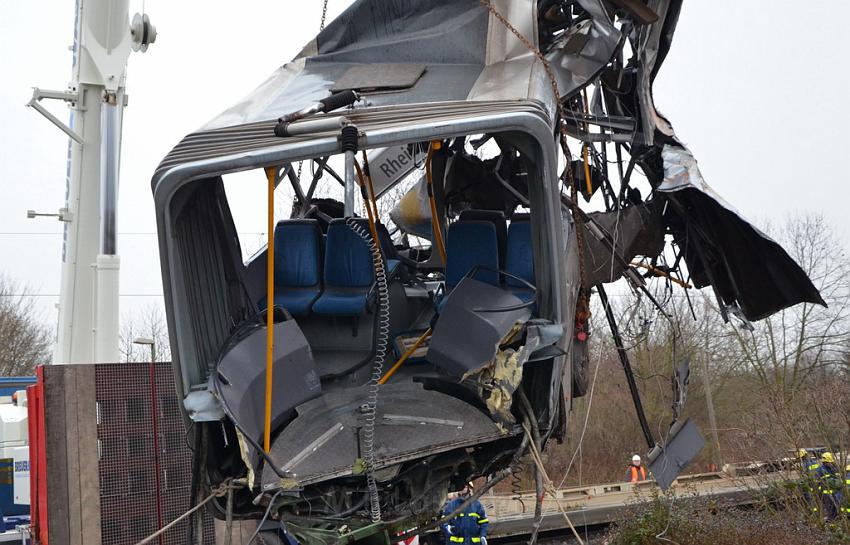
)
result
[(38, 459)]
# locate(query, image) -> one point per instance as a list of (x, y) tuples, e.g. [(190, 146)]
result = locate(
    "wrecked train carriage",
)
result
[(433, 81), (501, 306)]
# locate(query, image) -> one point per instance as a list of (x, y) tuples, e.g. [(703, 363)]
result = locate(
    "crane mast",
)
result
[(89, 296)]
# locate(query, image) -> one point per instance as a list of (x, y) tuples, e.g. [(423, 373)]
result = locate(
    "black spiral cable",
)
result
[(369, 409), (516, 485)]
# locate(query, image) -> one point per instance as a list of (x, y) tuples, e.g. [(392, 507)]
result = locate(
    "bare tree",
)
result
[(24, 341), (784, 385), (786, 349), (150, 324)]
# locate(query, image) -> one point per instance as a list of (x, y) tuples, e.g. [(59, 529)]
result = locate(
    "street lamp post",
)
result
[(148, 342), (155, 422)]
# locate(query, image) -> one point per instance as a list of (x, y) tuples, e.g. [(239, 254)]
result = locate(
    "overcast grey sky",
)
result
[(756, 88)]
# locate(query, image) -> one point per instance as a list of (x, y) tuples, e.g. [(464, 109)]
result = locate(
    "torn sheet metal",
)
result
[(498, 380), (469, 342), (721, 249), (469, 330), (745, 266), (652, 43), (634, 230), (584, 51), (668, 461)]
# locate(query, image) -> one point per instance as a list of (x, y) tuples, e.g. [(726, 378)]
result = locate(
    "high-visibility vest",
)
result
[(637, 475)]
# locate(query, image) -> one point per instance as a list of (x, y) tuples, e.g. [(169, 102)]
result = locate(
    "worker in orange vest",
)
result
[(636, 471)]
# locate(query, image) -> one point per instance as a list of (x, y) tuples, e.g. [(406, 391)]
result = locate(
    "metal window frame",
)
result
[(527, 118)]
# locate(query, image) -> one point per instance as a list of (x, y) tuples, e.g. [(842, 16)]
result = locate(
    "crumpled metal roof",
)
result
[(467, 54)]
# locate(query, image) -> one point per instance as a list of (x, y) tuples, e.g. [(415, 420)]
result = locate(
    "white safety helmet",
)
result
[(636, 458)]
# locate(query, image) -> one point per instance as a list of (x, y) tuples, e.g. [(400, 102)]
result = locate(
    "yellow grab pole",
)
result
[(369, 212), (370, 188), (407, 353), (588, 184), (435, 219), (664, 274), (267, 420)]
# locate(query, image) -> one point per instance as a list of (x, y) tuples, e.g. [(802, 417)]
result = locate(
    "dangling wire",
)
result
[(370, 407), (516, 484)]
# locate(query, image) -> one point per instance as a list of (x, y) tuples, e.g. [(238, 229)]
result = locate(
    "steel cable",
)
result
[(218, 492)]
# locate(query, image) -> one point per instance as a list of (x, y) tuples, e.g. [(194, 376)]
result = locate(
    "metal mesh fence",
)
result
[(145, 477)]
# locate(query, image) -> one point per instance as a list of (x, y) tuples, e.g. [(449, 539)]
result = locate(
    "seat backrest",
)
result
[(298, 253), (348, 260), (497, 218), (387, 246), (471, 243), (519, 260)]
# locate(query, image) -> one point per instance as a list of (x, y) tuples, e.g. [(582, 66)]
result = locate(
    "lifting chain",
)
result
[(567, 176), (324, 15)]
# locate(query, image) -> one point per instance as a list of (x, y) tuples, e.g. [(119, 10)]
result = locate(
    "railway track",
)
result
[(593, 509), (590, 534)]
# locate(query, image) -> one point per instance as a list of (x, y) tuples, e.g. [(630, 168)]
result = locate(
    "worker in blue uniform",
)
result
[(829, 486), (470, 525), (809, 469), (844, 494)]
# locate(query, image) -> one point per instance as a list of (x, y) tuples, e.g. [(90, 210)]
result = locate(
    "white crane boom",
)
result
[(88, 305)]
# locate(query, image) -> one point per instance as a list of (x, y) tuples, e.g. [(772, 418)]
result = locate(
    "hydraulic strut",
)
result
[(627, 368), (298, 123)]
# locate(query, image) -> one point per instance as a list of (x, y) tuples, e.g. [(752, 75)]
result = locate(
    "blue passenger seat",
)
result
[(497, 218), (297, 265), (519, 260), (471, 243), (348, 273)]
